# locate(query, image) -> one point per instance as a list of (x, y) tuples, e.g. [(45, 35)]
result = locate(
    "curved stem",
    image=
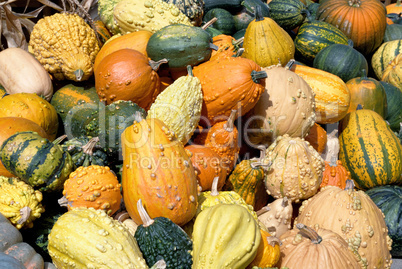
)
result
[(78, 74), (290, 64), (122, 216), (258, 14), (214, 188), (146, 219), (236, 43), (309, 233), (257, 75), (263, 210), (63, 201), (229, 125), (190, 71), (155, 65), (239, 52), (272, 240), (209, 23), (350, 185), (25, 213), (59, 139), (89, 147)]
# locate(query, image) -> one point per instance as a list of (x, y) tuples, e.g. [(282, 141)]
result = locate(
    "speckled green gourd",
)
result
[(37, 161), (161, 238), (89, 238), (179, 106), (105, 11), (225, 236)]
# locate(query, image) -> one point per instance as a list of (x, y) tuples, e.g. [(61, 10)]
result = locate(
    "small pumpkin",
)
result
[(335, 174), (227, 46), (268, 253), (317, 137)]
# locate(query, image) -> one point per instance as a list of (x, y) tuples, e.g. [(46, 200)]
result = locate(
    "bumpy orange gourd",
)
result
[(222, 138), (227, 46), (208, 165), (335, 174), (227, 84), (128, 75), (92, 186), (268, 252), (317, 137), (157, 170)]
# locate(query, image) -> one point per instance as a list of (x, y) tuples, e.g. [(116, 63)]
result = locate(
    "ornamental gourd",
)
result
[(228, 46), (392, 73), (179, 106), (92, 186), (384, 55), (273, 45), (268, 253), (225, 236), (157, 170), (355, 217), (65, 45), (335, 174), (295, 171), (289, 111), (317, 137), (19, 202), (85, 238), (228, 84), (304, 247), (287, 14), (21, 72), (193, 9)]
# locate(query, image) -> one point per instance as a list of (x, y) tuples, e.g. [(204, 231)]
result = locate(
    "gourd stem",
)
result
[(258, 14), (354, 3), (59, 139), (285, 201), (78, 74), (239, 52), (359, 107), (290, 64), (89, 147), (122, 216), (309, 233), (25, 213), (214, 187), (213, 46), (138, 116), (209, 23), (146, 219), (263, 210), (229, 125), (333, 161), (237, 42), (190, 71), (350, 43), (63, 201), (155, 65), (257, 75), (272, 240), (364, 74), (259, 162), (350, 184), (161, 264)]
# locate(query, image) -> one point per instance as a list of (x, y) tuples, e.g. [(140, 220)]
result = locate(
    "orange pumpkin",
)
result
[(227, 46), (135, 40), (12, 125), (208, 165), (227, 84), (363, 21), (317, 137), (395, 8), (222, 138), (92, 186), (268, 252), (335, 174), (128, 75)]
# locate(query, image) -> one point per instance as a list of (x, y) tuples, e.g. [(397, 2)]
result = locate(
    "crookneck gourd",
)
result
[(65, 45)]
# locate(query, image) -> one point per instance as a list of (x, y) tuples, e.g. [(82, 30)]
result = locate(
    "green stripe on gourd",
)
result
[(287, 13), (384, 55), (394, 101)]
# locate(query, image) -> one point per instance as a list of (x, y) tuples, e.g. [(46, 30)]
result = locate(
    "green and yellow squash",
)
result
[(193, 9), (287, 13), (225, 22), (369, 150), (384, 55)]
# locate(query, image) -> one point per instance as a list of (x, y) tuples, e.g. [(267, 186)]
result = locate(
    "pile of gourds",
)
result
[(193, 134)]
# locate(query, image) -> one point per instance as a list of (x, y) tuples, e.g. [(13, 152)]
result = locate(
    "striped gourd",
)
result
[(34, 159), (384, 55), (369, 150), (287, 13), (314, 36)]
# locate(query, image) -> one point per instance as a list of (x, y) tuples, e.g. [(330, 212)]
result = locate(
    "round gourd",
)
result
[(353, 17), (288, 14), (393, 32), (369, 93), (245, 13), (268, 253), (128, 75), (388, 199), (354, 216), (384, 55), (32, 107), (225, 23), (394, 101), (12, 125), (341, 60), (295, 171), (335, 174)]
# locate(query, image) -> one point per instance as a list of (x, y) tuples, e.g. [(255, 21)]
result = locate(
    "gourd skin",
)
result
[(225, 236), (65, 45), (129, 15), (16, 63), (89, 238), (179, 107), (384, 55), (19, 202)]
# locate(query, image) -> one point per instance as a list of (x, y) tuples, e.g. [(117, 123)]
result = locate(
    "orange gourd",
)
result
[(394, 8), (335, 174), (268, 252), (128, 75), (227, 46), (317, 137), (92, 186)]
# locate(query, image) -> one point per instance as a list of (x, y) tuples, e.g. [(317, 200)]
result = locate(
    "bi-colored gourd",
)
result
[(42, 164), (92, 186), (19, 202), (355, 217), (384, 55), (193, 9), (157, 170), (89, 238), (369, 150), (273, 45), (287, 14), (21, 72), (392, 73), (305, 247), (32, 107), (225, 236), (160, 238), (268, 253), (179, 106), (295, 171), (65, 45), (289, 111)]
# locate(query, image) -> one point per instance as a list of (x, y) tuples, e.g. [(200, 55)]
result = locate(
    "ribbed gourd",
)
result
[(19, 202), (179, 106), (211, 198), (160, 238), (65, 45), (225, 236), (89, 238), (193, 9), (384, 55), (151, 15), (37, 161)]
